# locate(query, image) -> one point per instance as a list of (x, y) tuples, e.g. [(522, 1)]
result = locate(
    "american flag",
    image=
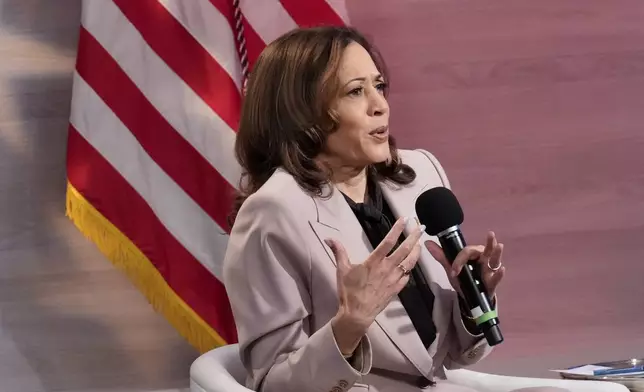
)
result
[(150, 160)]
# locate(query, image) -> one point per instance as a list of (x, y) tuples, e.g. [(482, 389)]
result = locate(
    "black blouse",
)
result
[(376, 219)]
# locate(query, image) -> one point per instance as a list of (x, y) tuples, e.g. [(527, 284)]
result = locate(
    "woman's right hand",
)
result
[(365, 289)]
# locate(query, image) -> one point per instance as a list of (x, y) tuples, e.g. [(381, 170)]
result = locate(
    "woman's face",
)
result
[(362, 137)]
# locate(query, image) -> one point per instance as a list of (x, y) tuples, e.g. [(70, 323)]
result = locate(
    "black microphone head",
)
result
[(438, 209)]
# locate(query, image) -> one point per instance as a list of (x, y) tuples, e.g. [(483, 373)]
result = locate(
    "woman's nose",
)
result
[(378, 104)]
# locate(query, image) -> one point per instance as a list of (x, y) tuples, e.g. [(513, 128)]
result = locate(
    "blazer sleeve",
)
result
[(267, 270), (468, 348)]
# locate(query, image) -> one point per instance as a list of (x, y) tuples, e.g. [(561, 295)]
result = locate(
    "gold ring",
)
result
[(494, 269), (404, 270)]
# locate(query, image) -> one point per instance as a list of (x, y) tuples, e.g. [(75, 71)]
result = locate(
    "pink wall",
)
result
[(536, 110)]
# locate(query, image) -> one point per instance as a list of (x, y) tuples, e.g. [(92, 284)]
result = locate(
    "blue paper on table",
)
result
[(597, 370), (631, 371)]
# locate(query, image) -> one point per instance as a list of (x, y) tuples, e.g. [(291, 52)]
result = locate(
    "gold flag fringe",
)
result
[(142, 273)]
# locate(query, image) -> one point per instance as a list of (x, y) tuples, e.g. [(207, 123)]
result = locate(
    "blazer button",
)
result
[(343, 384)]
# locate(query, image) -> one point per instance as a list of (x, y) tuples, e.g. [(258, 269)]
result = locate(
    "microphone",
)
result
[(439, 210)]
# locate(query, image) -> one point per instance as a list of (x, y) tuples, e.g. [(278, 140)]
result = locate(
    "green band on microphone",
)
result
[(485, 317)]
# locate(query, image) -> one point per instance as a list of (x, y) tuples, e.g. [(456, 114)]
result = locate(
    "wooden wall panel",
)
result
[(536, 110), (68, 320)]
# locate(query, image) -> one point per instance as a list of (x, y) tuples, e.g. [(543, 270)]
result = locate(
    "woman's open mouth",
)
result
[(380, 133)]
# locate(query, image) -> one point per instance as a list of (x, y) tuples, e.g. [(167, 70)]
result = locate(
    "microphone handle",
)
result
[(472, 286)]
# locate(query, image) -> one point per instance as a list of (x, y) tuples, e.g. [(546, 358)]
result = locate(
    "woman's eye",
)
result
[(358, 91)]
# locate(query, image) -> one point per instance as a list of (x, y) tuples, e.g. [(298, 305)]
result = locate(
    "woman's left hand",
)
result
[(488, 256)]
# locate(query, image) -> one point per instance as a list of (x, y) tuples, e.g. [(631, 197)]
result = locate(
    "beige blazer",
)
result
[(281, 280)]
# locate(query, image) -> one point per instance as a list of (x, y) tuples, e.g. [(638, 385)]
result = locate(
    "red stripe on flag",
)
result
[(119, 203), (312, 13), (178, 158), (185, 56), (254, 43)]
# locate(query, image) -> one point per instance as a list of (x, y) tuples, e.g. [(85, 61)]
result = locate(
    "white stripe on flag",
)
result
[(186, 112), (211, 29), (183, 218), (268, 18)]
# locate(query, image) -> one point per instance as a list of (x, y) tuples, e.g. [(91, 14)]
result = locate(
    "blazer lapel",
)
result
[(337, 220)]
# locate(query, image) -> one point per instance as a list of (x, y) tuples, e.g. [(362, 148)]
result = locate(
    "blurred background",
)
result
[(534, 107)]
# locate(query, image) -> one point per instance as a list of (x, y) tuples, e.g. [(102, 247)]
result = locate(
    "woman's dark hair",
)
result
[(286, 116)]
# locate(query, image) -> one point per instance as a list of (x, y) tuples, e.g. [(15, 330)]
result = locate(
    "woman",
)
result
[(317, 267)]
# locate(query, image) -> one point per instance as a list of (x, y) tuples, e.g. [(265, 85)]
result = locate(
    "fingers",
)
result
[(468, 253), (437, 252), (494, 280), (496, 256), (492, 252), (407, 247), (489, 255), (410, 261), (400, 284), (390, 240), (490, 245), (340, 254)]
